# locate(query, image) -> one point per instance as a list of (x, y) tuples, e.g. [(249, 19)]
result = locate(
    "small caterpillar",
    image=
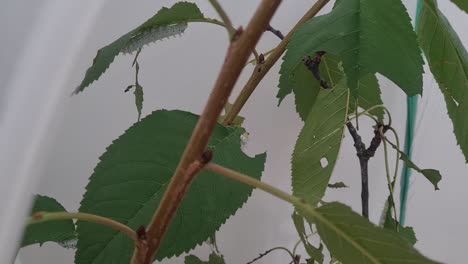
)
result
[(244, 140), (69, 244), (152, 35)]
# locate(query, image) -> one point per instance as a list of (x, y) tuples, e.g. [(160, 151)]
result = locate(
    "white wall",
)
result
[(180, 73)]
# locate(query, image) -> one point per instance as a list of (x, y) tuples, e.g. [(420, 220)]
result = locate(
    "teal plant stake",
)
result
[(411, 109)]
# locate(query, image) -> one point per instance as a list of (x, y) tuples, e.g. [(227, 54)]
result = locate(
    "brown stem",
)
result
[(236, 57), (276, 32), (363, 162), (145, 250), (261, 70), (364, 154)]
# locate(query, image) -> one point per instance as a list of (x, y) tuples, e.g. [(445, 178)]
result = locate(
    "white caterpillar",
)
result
[(152, 35), (244, 140), (69, 244)]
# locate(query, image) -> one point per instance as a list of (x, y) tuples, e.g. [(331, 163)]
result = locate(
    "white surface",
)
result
[(179, 73), (38, 74)]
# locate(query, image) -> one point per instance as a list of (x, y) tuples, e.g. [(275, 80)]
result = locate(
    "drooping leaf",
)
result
[(350, 238), (369, 36), (406, 232), (314, 253), (319, 142), (306, 87), (431, 175), (462, 4), (214, 259), (387, 221), (167, 22), (53, 231), (448, 61), (337, 185), (298, 221), (138, 99), (131, 178)]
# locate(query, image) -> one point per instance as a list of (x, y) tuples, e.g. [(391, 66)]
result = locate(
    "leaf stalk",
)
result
[(224, 17), (41, 217)]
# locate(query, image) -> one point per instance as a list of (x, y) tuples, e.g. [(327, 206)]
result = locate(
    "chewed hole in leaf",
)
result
[(323, 162)]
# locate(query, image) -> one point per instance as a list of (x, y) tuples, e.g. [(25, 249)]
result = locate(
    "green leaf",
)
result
[(350, 238), (448, 61), (298, 221), (369, 96), (462, 4), (167, 22), (432, 175), (306, 87), (314, 253), (334, 261), (214, 259), (192, 259), (319, 142), (405, 232), (128, 183), (337, 185), (370, 36), (387, 221), (138, 99), (54, 231)]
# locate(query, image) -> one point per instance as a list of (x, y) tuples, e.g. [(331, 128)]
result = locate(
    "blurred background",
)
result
[(51, 141)]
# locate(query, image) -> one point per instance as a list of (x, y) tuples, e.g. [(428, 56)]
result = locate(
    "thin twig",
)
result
[(236, 57), (397, 158), (256, 56), (389, 181), (41, 217), (255, 61), (276, 32), (366, 112), (224, 17), (259, 73), (363, 163), (300, 241), (364, 154), (228, 24), (269, 251)]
